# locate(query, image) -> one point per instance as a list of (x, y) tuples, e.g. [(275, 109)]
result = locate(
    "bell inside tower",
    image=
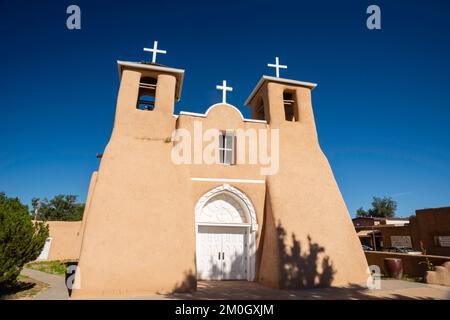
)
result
[(147, 93)]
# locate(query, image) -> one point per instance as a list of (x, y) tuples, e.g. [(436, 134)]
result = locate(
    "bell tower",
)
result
[(146, 99), (134, 222), (279, 101), (306, 218)]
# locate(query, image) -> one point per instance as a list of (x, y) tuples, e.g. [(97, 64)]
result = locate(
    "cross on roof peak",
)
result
[(224, 89), (155, 51), (277, 66)]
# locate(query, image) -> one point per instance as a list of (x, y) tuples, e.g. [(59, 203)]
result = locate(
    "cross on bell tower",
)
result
[(224, 89), (277, 66), (155, 51)]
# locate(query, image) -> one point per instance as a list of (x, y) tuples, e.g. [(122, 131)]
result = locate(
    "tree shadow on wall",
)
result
[(305, 273), (300, 269), (188, 284)]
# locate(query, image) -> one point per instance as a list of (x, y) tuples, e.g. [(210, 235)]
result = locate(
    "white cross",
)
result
[(224, 89), (277, 66), (155, 51)]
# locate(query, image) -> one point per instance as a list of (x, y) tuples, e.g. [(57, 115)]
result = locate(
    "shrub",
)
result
[(21, 240)]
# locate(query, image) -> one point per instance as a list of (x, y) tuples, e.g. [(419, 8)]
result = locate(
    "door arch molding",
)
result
[(250, 209)]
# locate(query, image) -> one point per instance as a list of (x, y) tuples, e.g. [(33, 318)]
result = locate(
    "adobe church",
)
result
[(155, 225)]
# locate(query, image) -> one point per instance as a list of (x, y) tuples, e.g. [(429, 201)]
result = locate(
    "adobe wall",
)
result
[(387, 232), (224, 117), (140, 212), (440, 275), (308, 227), (413, 265), (431, 223), (65, 240), (427, 224)]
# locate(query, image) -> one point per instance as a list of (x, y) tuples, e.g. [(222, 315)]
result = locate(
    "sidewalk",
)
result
[(390, 289), (233, 290), (57, 289)]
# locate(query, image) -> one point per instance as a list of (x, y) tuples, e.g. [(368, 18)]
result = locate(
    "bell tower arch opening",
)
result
[(147, 93)]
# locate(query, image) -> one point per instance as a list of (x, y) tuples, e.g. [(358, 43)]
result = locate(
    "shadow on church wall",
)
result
[(300, 279), (299, 268), (305, 273), (188, 284)]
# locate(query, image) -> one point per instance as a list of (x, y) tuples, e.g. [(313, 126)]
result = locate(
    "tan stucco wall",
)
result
[(305, 212), (441, 275), (67, 236), (139, 233), (66, 241)]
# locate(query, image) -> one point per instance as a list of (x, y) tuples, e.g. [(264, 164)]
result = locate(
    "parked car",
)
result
[(366, 248), (402, 250)]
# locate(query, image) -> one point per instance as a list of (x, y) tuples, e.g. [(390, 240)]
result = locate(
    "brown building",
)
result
[(375, 221), (431, 227), (156, 221)]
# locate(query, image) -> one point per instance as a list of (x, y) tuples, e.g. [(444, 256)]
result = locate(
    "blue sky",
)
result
[(382, 104)]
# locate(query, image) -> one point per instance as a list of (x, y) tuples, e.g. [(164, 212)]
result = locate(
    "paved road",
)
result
[(57, 288)]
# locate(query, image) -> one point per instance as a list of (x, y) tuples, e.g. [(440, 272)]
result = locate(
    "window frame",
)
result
[(223, 148)]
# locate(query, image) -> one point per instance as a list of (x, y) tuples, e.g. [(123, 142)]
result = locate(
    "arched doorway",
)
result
[(225, 235)]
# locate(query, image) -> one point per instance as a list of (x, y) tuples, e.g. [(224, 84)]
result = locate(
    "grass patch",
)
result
[(52, 267), (24, 288), (413, 279), (405, 278)]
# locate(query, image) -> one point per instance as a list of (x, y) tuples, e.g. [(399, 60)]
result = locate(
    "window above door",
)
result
[(227, 147)]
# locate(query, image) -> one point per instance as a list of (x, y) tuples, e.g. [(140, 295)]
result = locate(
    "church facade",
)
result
[(160, 216)]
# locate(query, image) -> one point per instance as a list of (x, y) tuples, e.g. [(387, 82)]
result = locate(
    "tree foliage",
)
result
[(60, 208), (381, 207), (21, 240)]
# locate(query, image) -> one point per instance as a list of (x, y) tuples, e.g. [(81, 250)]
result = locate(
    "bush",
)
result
[(21, 240)]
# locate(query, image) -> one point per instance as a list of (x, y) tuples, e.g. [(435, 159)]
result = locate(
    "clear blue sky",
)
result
[(382, 104)]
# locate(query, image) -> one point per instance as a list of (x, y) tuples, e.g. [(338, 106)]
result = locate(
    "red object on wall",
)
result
[(394, 267)]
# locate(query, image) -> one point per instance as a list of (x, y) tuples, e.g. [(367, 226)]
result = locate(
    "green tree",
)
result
[(21, 240), (361, 212), (381, 207), (60, 208)]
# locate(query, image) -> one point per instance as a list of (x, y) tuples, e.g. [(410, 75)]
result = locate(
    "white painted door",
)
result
[(46, 250), (233, 254), (209, 248), (221, 253)]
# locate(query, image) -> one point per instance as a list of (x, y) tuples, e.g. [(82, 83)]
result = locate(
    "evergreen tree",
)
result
[(21, 240)]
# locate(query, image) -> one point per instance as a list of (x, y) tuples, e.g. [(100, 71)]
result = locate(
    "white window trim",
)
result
[(224, 149)]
